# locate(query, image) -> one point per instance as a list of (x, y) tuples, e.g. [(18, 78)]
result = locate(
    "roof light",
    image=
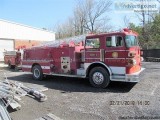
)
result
[(127, 30)]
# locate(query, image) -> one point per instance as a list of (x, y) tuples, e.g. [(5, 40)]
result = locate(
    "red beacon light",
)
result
[(130, 31), (90, 34), (127, 30)]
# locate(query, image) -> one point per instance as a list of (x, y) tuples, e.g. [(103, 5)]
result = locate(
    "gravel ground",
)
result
[(75, 99)]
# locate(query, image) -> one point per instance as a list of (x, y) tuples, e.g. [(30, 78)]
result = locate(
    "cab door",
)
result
[(115, 54)]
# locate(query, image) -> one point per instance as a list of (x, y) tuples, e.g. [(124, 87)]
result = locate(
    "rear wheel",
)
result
[(99, 77), (37, 72), (10, 66)]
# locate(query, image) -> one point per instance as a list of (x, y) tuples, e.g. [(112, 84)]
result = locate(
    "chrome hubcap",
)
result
[(36, 73), (98, 78)]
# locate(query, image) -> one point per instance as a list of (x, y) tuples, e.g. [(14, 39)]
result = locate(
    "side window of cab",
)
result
[(114, 41), (93, 43)]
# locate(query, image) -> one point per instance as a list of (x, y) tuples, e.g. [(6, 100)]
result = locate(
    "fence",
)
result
[(151, 55)]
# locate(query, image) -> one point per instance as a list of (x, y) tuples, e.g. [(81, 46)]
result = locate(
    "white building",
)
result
[(16, 36)]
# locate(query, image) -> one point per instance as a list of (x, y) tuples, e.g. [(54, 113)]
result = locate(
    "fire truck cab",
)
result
[(101, 57)]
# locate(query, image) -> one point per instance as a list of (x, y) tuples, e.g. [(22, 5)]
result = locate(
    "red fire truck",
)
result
[(101, 57), (12, 58)]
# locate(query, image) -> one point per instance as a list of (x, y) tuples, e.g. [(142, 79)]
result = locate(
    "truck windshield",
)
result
[(131, 40)]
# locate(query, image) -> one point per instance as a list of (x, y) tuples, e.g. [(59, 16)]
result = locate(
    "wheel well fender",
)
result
[(98, 64), (34, 65)]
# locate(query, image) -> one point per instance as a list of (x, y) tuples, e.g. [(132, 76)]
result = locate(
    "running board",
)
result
[(65, 75)]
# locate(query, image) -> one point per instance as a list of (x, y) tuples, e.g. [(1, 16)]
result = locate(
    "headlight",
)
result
[(132, 62)]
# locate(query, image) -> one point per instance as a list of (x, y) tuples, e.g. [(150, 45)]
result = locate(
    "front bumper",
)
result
[(134, 77)]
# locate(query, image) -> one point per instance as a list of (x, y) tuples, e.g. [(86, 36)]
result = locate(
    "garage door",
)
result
[(5, 45)]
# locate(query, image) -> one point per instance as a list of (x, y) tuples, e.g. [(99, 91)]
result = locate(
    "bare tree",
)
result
[(95, 11), (79, 18), (146, 16), (159, 6), (126, 21), (88, 16), (144, 19)]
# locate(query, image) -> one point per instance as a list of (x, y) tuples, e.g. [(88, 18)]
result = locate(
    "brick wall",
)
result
[(21, 44)]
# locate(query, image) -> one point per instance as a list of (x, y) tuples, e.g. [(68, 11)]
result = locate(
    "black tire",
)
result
[(37, 72), (13, 66), (10, 66), (95, 75)]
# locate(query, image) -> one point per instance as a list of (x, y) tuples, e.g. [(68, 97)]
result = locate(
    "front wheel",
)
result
[(99, 77), (37, 72)]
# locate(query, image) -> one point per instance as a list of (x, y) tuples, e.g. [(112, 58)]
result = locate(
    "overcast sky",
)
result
[(47, 13)]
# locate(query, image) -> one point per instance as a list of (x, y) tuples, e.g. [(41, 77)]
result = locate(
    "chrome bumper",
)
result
[(134, 77), (128, 77)]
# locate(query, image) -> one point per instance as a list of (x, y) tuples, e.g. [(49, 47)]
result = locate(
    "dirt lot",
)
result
[(75, 99)]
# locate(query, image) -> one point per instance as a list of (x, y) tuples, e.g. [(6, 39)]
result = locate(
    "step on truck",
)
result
[(102, 58)]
